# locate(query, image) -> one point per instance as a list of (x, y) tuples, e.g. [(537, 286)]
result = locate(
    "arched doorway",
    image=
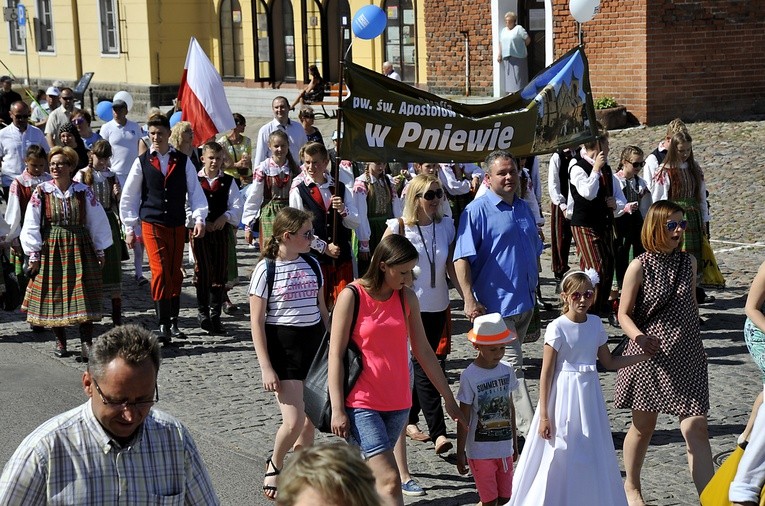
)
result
[(400, 38), (283, 30), (336, 10), (231, 39)]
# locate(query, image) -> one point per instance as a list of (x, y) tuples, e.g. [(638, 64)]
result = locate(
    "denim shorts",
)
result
[(375, 432)]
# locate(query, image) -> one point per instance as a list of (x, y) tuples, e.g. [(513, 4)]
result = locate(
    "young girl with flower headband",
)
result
[(571, 422)]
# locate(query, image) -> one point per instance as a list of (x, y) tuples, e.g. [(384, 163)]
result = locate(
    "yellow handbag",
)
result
[(716, 491), (710, 272)]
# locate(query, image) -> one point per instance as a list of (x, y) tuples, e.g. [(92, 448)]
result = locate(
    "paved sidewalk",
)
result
[(213, 383)]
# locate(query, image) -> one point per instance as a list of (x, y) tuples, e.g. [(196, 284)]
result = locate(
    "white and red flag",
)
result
[(201, 96)]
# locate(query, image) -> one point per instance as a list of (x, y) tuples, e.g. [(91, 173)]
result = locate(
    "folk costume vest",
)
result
[(323, 219), (216, 194), (593, 213), (163, 198)]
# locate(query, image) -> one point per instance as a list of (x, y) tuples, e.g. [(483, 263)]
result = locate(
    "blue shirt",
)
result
[(501, 244)]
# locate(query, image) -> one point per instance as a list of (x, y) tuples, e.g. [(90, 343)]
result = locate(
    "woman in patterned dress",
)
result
[(65, 234), (106, 186), (658, 312)]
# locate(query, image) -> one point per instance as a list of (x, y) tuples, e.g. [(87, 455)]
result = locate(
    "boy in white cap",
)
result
[(490, 443)]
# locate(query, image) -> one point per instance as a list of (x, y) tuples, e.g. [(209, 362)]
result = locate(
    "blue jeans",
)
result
[(375, 432)]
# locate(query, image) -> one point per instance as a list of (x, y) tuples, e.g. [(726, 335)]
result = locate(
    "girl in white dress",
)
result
[(569, 457)]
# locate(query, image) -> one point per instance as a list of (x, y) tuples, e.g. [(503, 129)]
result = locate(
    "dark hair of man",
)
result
[(131, 343)]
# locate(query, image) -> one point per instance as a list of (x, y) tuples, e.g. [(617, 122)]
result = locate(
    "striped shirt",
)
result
[(70, 459), (294, 301)]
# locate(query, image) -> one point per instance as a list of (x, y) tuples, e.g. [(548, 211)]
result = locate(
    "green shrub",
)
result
[(605, 103)]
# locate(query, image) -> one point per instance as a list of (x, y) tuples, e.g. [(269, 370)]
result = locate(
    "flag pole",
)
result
[(339, 126)]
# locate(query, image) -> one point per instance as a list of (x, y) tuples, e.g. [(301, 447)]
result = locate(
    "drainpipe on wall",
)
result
[(77, 45), (467, 62)]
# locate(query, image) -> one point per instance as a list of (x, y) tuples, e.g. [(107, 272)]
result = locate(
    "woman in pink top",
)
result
[(375, 411)]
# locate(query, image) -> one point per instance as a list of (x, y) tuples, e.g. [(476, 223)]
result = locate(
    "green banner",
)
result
[(386, 120)]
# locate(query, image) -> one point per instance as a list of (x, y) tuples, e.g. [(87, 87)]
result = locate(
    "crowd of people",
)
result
[(377, 245)]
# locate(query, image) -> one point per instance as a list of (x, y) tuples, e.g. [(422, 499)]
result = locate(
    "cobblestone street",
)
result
[(212, 383)]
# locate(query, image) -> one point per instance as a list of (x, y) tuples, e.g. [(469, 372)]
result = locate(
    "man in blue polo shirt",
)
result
[(496, 262)]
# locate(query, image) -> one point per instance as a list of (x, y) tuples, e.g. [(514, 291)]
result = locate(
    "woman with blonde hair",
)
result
[(432, 235), (182, 139)]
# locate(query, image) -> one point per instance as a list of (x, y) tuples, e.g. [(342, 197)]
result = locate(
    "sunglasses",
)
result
[(672, 225), (637, 165), (78, 121), (309, 116), (308, 234), (586, 295), (433, 194), (21, 116), (67, 98)]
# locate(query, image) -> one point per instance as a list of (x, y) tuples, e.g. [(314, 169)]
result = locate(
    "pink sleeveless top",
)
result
[(381, 336)]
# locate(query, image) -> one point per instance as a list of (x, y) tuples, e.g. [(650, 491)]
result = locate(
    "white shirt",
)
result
[(13, 215), (124, 142), (294, 131), (658, 185), (360, 191), (432, 300), (256, 192), (130, 203), (553, 182), (13, 148), (296, 290), (350, 220), (95, 218), (58, 117), (233, 204), (489, 393), (588, 186)]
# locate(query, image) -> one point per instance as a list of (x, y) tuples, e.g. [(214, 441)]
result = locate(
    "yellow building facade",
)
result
[(141, 45)]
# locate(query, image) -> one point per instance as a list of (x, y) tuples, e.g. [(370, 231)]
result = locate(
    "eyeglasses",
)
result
[(123, 405), (579, 295), (58, 165), (433, 194), (66, 98), (637, 165), (308, 234), (672, 225)]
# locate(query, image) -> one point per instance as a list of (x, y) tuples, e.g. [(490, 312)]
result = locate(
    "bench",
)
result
[(330, 100)]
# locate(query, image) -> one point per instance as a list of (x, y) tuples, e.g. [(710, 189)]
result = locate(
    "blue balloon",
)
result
[(369, 22), (104, 110), (175, 118)]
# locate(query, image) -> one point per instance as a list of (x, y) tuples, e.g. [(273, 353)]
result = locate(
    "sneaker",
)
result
[(411, 488)]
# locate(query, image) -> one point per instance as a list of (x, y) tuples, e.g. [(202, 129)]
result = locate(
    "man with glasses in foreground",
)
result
[(114, 448), (60, 116)]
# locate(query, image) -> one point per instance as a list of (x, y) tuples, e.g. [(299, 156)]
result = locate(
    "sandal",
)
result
[(415, 434), (270, 488)]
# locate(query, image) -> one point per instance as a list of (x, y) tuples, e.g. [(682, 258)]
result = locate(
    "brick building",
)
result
[(661, 59)]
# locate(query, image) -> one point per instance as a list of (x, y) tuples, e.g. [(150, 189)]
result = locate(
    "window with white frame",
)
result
[(44, 27), (15, 41), (109, 25)]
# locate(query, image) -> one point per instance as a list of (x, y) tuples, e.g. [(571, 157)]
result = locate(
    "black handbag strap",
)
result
[(355, 292)]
